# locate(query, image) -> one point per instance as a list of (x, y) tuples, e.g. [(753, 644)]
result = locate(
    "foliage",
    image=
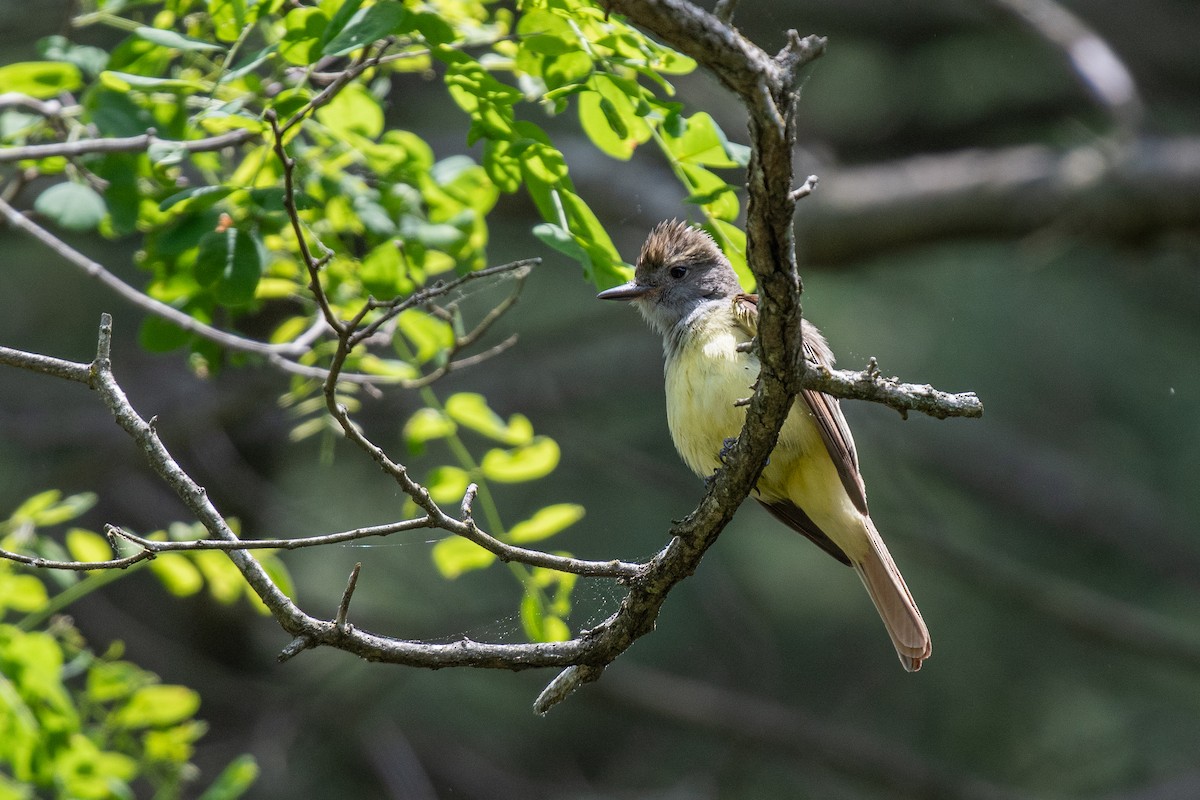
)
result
[(74, 723), (220, 225)]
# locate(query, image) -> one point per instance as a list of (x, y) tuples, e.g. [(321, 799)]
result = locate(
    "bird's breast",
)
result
[(705, 377)]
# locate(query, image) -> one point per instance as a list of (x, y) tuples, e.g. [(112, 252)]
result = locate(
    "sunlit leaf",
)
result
[(471, 410), (23, 593), (447, 484), (173, 39), (427, 334), (455, 555), (85, 545), (424, 425), (533, 461), (40, 79), (366, 26), (178, 574), (155, 706), (545, 523), (50, 508), (234, 780), (353, 110)]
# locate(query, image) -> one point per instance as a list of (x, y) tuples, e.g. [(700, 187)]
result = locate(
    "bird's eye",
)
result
[(678, 272)]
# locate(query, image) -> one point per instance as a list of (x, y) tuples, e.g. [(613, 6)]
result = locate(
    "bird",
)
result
[(686, 290)]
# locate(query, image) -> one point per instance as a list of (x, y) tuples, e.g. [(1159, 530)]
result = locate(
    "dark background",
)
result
[(1052, 545)]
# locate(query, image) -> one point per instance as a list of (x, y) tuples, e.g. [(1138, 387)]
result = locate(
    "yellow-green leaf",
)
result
[(427, 334), (535, 460), (427, 424), (447, 484), (23, 593), (546, 522), (471, 410), (178, 574), (554, 629), (84, 545), (156, 706), (353, 110), (40, 79), (455, 555)]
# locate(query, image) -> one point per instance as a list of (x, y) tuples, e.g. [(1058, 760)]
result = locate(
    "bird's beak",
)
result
[(626, 291)]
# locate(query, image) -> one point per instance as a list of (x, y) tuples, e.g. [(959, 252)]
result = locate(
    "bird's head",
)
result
[(679, 270)]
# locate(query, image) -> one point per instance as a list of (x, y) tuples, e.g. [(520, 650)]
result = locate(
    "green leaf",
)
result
[(40, 79), (471, 410), (353, 110), (202, 197), (48, 508), (155, 706), (545, 523), (74, 206), (562, 241), (429, 335), (368, 25), (108, 681), (304, 28), (554, 629), (178, 574), (503, 168), (225, 582), (231, 262), (91, 60), (22, 593), (702, 142), (157, 335), (609, 115), (234, 780), (425, 425), (535, 460), (84, 545), (455, 555), (173, 39), (447, 484)]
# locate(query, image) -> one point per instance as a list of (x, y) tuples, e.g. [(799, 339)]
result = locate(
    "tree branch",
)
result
[(129, 144), (904, 397), (1147, 186)]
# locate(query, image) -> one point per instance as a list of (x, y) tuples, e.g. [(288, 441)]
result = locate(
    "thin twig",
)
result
[(343, 609)]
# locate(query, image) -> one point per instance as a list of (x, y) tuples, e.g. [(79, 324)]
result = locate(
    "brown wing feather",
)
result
[(825, 409), (794, 517)]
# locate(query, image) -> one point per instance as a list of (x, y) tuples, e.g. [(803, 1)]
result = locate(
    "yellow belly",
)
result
[(705, 376)]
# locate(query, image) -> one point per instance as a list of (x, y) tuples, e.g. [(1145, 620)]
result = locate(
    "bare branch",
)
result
[(344, 606), (904, 397), (55, 367), (805, 189)]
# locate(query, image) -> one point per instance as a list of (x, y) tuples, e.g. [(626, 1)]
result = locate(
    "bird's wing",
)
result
[(825, 409)]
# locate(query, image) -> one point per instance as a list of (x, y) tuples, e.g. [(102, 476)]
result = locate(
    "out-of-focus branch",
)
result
[(1099, 68), (1147, 186), (128, 144), (792, 731)]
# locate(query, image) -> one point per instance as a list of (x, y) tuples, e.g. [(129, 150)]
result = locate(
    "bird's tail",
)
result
[(894, 602)]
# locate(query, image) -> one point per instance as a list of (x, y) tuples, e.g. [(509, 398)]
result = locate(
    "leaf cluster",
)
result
[(77, 724)]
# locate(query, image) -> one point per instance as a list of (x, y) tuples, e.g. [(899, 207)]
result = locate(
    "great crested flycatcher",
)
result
[(686, 290)]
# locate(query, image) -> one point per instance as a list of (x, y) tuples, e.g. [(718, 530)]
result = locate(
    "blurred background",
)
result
[(989, 218)]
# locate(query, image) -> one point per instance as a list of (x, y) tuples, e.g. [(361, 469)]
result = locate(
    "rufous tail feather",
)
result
[(894, 602)]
